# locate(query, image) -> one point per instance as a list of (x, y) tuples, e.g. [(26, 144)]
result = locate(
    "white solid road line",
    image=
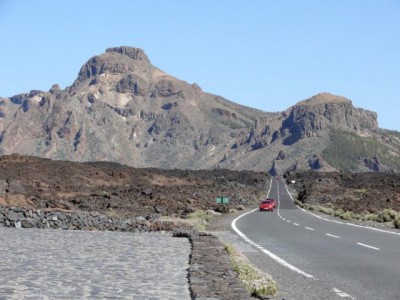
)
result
[(270, 254), (334, 236), (368, 246)]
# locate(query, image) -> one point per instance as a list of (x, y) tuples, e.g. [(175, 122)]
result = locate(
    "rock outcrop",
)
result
[(281, 155), (274, 170), (374, 164), (317, 163), (314, 116)]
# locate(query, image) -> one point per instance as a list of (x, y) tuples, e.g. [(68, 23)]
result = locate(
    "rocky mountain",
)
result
[(121, 108)]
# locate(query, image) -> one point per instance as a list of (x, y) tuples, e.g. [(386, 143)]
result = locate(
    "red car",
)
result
[(267, 204)]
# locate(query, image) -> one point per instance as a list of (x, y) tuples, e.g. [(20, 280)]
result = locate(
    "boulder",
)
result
[(13, 216)]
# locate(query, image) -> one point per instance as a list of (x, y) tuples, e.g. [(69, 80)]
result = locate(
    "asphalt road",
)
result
[(314, 257)]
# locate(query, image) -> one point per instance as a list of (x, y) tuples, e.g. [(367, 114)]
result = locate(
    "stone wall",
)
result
[(35, 218)]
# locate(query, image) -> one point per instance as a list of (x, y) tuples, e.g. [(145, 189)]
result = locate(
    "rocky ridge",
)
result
[(123, 109)]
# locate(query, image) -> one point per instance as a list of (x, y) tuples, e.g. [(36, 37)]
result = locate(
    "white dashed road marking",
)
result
[(368, 246), (342, 294), (309, 228), (334, 236)]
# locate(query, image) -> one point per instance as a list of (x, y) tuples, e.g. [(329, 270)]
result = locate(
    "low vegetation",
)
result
[(253, 280), (198, 219), (383, 216), (201, 218)]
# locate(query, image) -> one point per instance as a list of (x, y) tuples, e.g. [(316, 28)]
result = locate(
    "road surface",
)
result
[(319, 258)]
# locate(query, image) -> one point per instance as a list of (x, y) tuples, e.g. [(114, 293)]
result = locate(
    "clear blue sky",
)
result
[(264, 54)]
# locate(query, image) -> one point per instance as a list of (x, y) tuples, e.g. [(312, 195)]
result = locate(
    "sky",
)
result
[(265, 54)]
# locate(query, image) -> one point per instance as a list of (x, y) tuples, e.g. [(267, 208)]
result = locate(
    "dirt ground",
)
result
[(357, 192), (115, 189)]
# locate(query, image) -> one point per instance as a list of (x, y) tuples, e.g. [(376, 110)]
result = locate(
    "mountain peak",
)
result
[(121, 60), (134, 53), (323, 98)]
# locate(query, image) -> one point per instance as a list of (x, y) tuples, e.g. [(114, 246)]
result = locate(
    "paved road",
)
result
[(321, 259), (59, 264)]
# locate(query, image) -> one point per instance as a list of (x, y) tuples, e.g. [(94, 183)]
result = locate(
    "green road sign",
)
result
[(222, 200)]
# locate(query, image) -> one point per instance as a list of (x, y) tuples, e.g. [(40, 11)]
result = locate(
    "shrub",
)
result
[(326, 210), (199, 219), (201, 215), (252, 279), (301, 204), (348, 215), (394, 214), (330, 205), (387, 215), (213, 213), (338, 213), (370, 217), (358, 216), (105, 194), (396, 222), (364, 212)]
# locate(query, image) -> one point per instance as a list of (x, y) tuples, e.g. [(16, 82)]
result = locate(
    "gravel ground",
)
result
[(62, 264)]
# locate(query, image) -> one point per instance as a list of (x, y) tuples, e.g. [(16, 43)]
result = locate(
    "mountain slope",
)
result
[(122, 108)]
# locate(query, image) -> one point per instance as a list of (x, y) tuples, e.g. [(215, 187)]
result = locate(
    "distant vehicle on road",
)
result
[(278, 177), (267, 204)]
